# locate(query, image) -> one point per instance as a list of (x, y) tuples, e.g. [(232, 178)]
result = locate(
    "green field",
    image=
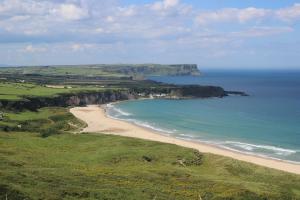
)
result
[(16, 91)]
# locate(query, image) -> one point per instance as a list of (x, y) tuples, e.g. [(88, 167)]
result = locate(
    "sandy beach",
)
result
[(98, 122)]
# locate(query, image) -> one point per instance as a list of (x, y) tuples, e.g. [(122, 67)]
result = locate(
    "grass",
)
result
[(43, 113), (68, 166), (84, 70), (45, 121), (17, 91)]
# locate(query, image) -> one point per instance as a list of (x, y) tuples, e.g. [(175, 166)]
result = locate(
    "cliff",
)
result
[(64, 100), (92, 97)]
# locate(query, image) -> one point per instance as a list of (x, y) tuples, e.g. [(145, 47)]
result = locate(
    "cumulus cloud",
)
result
[(167, 25), (244, 15), (82, 21), (69, 12)]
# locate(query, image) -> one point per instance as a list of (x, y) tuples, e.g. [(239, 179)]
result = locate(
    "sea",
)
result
[(266, 123)]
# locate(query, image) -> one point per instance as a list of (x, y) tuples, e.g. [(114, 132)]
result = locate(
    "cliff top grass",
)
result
[(105, 70), (59, 70), (17, 91), (68, 166)]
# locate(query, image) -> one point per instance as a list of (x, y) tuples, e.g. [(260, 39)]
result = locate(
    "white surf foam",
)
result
[(117, 110), (267, 148), (150, 126)]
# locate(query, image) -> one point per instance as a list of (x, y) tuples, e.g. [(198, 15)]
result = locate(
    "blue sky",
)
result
[(213, 34)]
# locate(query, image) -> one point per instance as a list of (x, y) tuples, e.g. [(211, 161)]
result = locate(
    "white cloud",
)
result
[(32, 49), (290, 13), (231, 15), (20, 18), (170, 3), (70, 12), (99, 30), (262, 31), (85, 26), (110, 19), (127, 11), (252, 13), (163, 5), (13, 7), (80, 47)]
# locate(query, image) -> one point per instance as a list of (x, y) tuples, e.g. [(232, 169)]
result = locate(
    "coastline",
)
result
[(98, 122)]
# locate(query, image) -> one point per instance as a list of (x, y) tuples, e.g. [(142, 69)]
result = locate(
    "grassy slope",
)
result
[(45, 121), (67, 166), (109, 167)]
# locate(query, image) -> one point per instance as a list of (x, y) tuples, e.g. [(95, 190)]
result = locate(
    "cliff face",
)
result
[(85, 98), (187, 69), (64, 100)]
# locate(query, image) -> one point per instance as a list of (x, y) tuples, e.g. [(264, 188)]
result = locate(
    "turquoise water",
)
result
[(267, 123)]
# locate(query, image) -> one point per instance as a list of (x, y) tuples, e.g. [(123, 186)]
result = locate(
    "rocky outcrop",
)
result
[(196, 91)]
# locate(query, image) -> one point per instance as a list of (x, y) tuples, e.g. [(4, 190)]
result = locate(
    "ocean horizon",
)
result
[(266, 123)]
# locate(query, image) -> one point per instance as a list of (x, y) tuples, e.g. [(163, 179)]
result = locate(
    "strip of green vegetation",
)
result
[(43, 113), (113, 70), (110, 167), (46, 121), (16, 91)]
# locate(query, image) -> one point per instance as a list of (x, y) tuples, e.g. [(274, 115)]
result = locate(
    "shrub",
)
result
[(49, 131)]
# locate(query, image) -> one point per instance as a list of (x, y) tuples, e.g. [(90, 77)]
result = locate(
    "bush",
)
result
[(49, 131)]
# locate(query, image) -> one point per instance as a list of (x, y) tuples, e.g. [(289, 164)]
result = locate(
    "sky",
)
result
[(213, 34)]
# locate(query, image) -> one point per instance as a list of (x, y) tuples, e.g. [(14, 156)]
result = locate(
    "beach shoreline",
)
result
[(98, 121)]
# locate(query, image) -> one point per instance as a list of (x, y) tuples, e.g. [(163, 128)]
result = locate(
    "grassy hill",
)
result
[(109, 167), (56, 164)]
